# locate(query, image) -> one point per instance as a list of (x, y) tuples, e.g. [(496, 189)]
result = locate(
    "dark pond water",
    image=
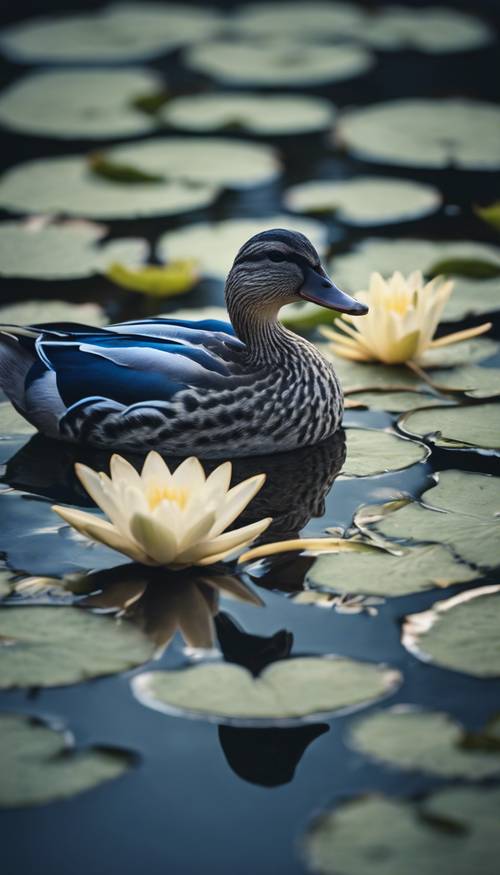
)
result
[(208, 797)]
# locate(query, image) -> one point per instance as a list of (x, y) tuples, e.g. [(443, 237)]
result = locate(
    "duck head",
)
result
[(281, 267)]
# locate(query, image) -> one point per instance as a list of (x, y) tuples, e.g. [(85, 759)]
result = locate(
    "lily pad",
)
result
[(490, 214), (461, 512), (50, 646), (79, 103), (5, 578), (453, 832), (201, 161), (286, 690), (215, 244), (428, 741), (265, 115), (377, 572), (317, 20), (371, 452), (434, 30), (278, 62), (460, 633), (368, 200), (478, 382), (395, 402), (68, 250), (120, 32), (37, 311), (40, 763), (472, 427), (67, 185), (418, 132), (12, 423), (164, 281)]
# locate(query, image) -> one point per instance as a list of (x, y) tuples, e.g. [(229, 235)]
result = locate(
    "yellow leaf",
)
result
[(175, 278)]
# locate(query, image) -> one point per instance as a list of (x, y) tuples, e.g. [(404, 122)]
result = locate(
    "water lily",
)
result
[(402, 320), (159, 517)]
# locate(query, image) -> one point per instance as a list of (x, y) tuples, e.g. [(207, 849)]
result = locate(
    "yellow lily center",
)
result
[(167, 493), (400, 303)]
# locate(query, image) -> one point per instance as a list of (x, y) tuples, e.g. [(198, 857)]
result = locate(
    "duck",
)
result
[(208, 388)]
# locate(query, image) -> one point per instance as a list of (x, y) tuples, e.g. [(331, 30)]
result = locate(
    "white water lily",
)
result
[(162, 518), (402, 320)]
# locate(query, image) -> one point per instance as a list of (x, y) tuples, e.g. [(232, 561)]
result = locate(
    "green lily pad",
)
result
[(461, 512), (470, 296), (41, 764), (37, 311), (372, 452), (5, 578), (50, 646), (365, 200), (431, 30), (490, 214), (418, 132), (201, 161), (472, 427), (427, 741), (215, 244), (280, 61), (453, 832), (476, 381), (394, 402), (12, 423), (271, 115), (317, 20), (120, 32), (377, 572), (79, 103), (460, 633), (286, 690), (68, 250), (66, 185)]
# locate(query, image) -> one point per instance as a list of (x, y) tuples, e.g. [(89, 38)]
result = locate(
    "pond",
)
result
[(302, 710)]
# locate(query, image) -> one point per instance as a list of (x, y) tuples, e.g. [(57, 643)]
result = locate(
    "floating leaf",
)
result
[(395, 402), (419, 132), (372, 452), (5, 578), (200, 161), (215, 244), (280, 61), (315, 21), (40, 310), (472, 427), (469, 524), (121, 32), (266, 115), (473, 268), (175, 278), (431, 30), (78, 104), (66, 250), (152, 102), (477, 382), (49, 646), (117, 172), (460, 633), (490, 214), (65, 185), (11, 422), (368, 200), (286, 690), (428, 741), (377, 572), (453, 832), (40, 763)]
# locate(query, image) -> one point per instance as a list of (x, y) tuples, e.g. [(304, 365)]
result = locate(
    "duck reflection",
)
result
[(295, 490)]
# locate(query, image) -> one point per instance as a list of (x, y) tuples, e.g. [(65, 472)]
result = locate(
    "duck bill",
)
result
[(319, 289)]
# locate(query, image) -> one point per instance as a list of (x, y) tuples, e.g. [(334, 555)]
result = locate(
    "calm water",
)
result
[(205, 797)]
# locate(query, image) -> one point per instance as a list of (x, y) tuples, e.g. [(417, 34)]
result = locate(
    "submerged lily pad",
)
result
[(40, 763), (79, 103), (67, 185), (120, 32), (453, 832), (368, 200), (201, 161), (315, 20), (461, 512), (470, 296), (460, 633), (418, 132), (68, 250), (215, 244), (472, 427), (372, 452), (279, 61), (275, 114), (286, 690), (35, 312), (433, 30), (50, 646), (428, 741), (377, 572)]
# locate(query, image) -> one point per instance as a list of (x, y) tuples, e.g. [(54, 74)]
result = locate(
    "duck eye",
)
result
[(276, 256)]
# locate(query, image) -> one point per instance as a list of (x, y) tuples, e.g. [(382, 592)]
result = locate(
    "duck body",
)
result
[(208, 388)]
